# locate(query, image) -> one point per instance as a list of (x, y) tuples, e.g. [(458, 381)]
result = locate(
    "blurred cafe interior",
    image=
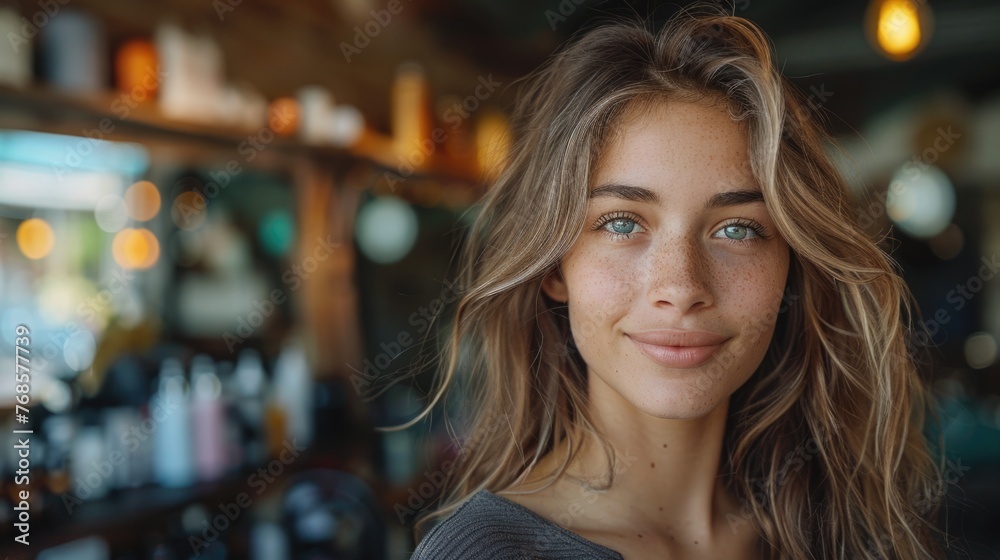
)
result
[(227, 226)]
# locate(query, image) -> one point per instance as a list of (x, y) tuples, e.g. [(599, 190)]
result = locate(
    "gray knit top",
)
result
[(491, 526)]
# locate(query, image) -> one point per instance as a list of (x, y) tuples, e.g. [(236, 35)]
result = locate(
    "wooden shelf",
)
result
[(122, 516), (44, 110)]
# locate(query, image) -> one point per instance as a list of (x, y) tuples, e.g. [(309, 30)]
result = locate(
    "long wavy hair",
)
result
[(824, 443)]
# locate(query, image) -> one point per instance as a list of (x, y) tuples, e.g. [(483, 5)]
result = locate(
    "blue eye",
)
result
[(622, 225), (742, 232), (737, 232), (619, 226)]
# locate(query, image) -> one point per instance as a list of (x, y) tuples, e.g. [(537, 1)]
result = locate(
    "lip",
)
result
[(678, 349)]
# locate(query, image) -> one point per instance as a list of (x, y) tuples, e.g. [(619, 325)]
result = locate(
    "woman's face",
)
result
[(674, 285)]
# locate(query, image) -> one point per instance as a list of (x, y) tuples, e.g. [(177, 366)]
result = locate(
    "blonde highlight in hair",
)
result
[(838, 379)]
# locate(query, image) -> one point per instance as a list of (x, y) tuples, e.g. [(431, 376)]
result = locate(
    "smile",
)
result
[(678, 356)]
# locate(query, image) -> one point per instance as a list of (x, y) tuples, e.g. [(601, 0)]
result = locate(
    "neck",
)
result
[(666, 476)]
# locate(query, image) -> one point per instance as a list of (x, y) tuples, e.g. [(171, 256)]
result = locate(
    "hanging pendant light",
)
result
[(898, 29)]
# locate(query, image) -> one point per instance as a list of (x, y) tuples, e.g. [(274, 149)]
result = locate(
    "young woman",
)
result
[(677, 340)]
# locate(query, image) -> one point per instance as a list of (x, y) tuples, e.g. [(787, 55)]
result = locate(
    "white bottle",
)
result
[(15, 61), (250, 386), (172, 454), (293, 388)]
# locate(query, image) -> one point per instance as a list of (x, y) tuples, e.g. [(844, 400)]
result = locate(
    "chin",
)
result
[(680, 404), (694, 394)]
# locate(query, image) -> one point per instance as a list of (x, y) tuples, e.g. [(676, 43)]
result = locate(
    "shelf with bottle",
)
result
[(122, 515), (138, 450), (94, 116), (170, 83)]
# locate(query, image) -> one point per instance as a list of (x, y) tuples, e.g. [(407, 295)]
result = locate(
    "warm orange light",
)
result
[(411, 122), (492, 142), (135, 248), (188, 211), (136, 70), (899, 28), (142, 200), (35, 238), (283, 116)]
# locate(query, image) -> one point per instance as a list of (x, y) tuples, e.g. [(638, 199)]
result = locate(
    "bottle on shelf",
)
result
[(293, 388), (208, 420), (172, 453), (248, 388), (15, 62), (90, 469), (73, 47)]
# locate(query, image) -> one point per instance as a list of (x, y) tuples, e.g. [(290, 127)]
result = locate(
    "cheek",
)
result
[(753, 294), (600, 291)]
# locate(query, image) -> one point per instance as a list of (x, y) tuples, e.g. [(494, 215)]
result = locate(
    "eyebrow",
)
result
[(640, 194)]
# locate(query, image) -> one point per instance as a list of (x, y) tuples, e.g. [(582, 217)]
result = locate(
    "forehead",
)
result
[(676, 142)]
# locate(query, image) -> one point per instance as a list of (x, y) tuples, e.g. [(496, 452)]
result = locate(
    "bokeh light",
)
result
[(142, 200), (55, 395), (276, 233), (61, 296), (136, 69), (899, 28), (79, 350), (921, 202), (980, 350), (35, 238), (283, 116), (135, 248), (111, 213), (386, 229)]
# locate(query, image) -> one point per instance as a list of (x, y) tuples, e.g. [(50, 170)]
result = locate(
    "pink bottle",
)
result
[(208, 417)]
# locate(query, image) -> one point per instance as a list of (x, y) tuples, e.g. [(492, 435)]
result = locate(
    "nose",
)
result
[(679, 274)]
